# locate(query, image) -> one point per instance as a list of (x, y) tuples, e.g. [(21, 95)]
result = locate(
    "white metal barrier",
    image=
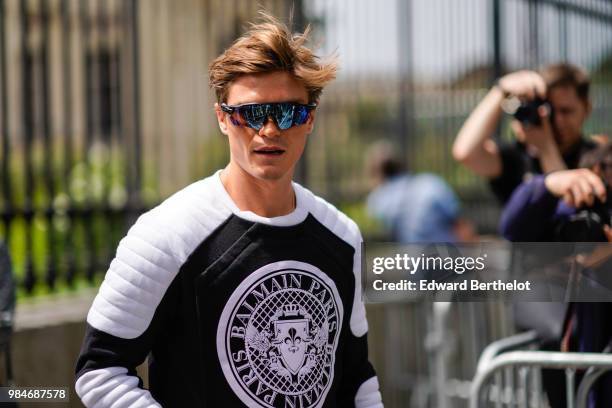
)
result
[(516, 375)]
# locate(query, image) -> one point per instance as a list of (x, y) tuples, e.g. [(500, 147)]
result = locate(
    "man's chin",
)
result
[(269, 173), (566, 143)]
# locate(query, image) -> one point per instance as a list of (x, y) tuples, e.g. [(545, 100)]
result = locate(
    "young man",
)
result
[(243, 288), (555, 145)]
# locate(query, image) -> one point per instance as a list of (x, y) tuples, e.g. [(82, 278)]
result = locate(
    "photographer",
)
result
[(554, 106), (568, 206)]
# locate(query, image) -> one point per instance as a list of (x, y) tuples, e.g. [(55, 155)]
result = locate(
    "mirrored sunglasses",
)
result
[(254, 115)]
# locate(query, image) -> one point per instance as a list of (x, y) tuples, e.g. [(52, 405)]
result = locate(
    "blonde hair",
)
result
[(266, 47)]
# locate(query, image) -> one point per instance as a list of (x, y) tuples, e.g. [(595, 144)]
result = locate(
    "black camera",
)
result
[(526, 112), (587, 225)]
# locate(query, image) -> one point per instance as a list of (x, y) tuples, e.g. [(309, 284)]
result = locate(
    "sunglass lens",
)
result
[(300, 115), (254, 115), (283, 115)]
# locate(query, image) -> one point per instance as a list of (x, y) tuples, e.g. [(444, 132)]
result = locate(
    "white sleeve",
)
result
[(368, 395), (112, 387)]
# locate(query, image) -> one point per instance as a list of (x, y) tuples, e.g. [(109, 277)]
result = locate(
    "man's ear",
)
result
[(221, 119), (310, 121)]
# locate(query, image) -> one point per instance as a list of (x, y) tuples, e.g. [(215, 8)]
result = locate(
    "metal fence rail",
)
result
[(517, 374), (431, 349)]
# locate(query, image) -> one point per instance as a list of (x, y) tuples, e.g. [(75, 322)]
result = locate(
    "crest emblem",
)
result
[(278, 334)]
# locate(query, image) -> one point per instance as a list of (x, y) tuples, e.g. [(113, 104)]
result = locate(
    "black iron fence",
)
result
[(105, 109), (70, 166), (93, 95)]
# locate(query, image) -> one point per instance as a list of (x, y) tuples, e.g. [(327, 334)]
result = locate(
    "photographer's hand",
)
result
[(474, 146), (542, 138), (523, 84), (577, 187)]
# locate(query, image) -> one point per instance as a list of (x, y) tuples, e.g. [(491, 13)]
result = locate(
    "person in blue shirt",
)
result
[(413, 207)]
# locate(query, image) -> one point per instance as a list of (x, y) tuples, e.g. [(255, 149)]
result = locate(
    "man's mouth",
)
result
[(269, 151)]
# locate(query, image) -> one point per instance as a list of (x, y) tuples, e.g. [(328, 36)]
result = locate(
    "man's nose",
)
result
[(558, 120), (269, 128)]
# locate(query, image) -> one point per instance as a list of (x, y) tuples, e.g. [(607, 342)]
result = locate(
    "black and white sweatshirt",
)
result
[(232, 309)]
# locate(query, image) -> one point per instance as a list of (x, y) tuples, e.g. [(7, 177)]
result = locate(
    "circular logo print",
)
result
[(278, 334)]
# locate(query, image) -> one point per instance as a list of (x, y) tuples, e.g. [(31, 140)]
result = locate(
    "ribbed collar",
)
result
[(295, 217)]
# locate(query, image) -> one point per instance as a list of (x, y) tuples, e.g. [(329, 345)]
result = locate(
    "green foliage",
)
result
[(93, 189), (357, 211)]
